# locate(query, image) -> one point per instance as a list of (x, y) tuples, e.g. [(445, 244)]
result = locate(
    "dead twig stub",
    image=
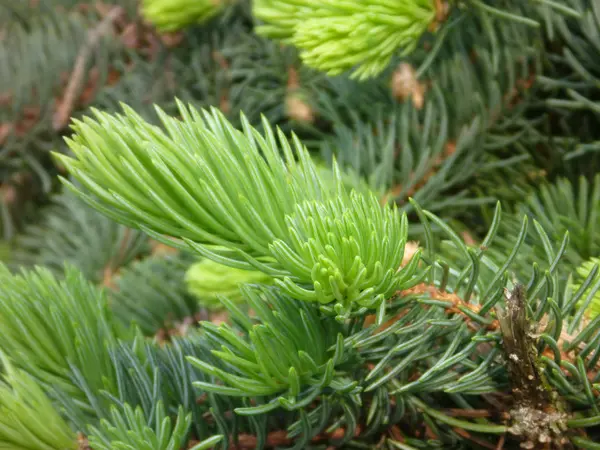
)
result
[(64, 110), (537, 418)]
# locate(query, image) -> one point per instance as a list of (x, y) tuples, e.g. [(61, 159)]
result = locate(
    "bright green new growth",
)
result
[(28, 420), (129, 430), (173, 15), (349, 253), (231, 197), (208, 281), (335, 36)]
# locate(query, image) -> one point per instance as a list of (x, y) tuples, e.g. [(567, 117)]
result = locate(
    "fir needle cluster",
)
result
[(228, 195)]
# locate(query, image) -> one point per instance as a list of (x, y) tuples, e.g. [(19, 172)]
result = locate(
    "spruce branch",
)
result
[(556, 356), (413, 360), (555, 209), (293, 364), (572, 80), (47, 38), (423, 143), (242, 205)]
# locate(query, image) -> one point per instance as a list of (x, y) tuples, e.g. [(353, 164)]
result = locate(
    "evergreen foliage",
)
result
[(299, 225), (271, 215), (331, 35), (554, 209)]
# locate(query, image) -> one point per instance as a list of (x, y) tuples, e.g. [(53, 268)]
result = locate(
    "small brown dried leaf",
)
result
[(405, 85), (298, 110)]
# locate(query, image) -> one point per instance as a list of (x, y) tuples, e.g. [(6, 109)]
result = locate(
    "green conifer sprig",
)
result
[(209, 281), (283, 371), (169, 15), (573, 78), (578, 31), (438, 329), (230, 196), (418, 141), (331, 34), (29, 103), (151, 375), (35, 35), (145, 379)]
